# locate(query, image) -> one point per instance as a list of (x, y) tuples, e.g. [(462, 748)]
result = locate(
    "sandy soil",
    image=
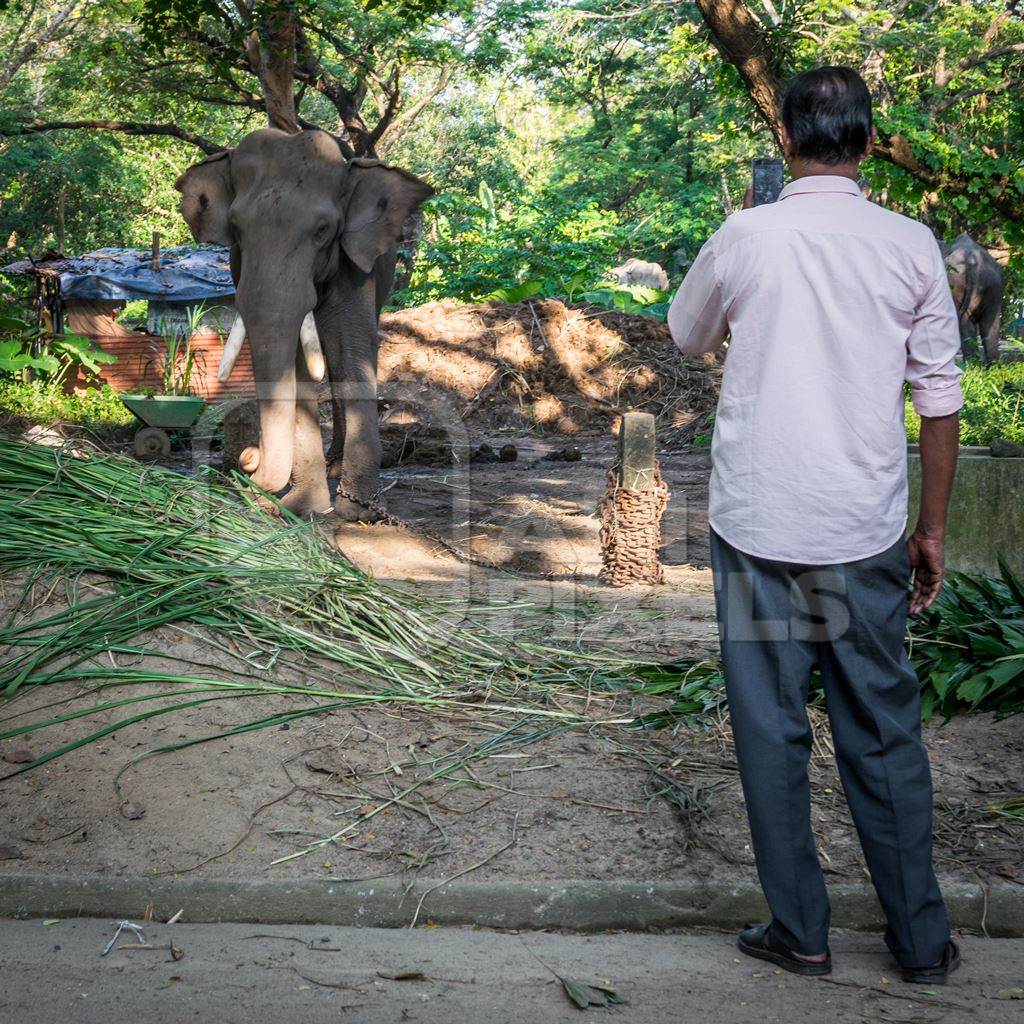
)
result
[(599, 802), (596, 802)]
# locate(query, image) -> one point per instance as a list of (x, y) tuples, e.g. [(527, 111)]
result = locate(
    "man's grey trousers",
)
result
[(779, 621)]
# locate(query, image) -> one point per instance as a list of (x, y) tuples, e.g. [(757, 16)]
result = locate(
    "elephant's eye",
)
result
[(322, 231)]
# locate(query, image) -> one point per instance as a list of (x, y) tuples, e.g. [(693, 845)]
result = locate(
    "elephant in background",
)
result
[(977, 282), (310, 233), (640, 273)]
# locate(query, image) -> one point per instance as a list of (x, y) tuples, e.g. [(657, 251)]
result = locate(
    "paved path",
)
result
[(249, 974)]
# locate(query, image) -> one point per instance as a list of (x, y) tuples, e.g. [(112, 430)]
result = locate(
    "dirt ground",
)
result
[(540, 366), (598, 802)]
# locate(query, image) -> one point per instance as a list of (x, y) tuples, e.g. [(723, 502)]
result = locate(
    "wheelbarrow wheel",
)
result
[(152, 443)]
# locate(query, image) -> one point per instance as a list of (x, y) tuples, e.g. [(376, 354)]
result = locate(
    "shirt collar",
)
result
[(817, 183)]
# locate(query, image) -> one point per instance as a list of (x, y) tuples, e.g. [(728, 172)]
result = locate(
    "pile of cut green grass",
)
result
[(169, 549)]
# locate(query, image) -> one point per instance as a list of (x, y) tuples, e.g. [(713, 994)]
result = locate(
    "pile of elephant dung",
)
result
[(414, 442), (540, 365)]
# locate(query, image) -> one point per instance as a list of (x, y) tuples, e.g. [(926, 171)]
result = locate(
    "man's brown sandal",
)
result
[(756, 940), (937, 973)]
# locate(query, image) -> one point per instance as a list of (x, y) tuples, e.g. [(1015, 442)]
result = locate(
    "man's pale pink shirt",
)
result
[(830, 302)]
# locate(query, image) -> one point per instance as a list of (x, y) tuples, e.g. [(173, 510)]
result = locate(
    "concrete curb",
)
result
[(576, 905)]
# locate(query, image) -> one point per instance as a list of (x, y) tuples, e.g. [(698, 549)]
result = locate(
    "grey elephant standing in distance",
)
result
[(978, 283), (310, 232)]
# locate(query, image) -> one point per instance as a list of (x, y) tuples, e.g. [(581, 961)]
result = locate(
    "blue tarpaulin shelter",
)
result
[(188, 273)]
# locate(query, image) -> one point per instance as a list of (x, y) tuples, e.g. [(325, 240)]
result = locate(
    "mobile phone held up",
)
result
[(767, 173)]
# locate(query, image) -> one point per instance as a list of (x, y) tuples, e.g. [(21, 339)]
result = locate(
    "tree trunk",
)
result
[(276, 64), (739, 38)]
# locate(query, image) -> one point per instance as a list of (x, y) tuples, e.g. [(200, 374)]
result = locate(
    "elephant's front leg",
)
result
[(308, 493), (988, 328), (351, 351)]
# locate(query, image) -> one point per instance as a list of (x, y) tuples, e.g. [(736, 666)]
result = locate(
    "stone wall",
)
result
[(986, 512)]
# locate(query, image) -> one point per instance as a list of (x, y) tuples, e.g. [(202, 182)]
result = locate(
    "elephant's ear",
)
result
[(206, 195), (378, 198)]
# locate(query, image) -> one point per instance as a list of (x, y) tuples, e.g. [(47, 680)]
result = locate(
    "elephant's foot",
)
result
[(308, 500), (350, 505), (351, 511)]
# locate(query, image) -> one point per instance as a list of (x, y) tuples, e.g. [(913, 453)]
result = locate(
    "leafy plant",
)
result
[(517, 293), (173, 354), (23, 346), (969, 647), (993, 404), (44, 402), (631, 299), (486, 197)]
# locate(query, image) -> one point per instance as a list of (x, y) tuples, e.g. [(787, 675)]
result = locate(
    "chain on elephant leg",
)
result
[(354, 508)]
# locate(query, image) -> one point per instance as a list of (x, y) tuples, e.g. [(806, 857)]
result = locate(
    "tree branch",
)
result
[(739, 38), (59, 27), (37, 127), (941, 106), (400, 124), (999, 51)]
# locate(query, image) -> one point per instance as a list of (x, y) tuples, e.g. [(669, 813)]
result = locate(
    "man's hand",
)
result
[(928, 560)]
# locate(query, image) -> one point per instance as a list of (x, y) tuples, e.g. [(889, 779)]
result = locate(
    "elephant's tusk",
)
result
[(231, 349), (314, 354), (307, 335)]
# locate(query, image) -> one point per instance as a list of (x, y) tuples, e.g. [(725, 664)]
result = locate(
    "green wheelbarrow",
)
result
[(161, 414)]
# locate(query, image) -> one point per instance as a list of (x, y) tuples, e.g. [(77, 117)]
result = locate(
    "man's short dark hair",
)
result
[(827, 113)]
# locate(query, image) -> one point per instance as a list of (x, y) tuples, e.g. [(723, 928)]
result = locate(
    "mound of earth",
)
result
[(539, 366)]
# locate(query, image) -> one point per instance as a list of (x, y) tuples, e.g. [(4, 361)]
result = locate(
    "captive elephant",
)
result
[(312, 239), (640, 272), (977, 282)]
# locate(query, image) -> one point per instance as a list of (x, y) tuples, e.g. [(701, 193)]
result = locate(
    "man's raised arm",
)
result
[(696, 317)]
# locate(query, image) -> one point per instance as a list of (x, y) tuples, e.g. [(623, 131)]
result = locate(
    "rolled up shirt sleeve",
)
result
[(933, 345), (697, 317)]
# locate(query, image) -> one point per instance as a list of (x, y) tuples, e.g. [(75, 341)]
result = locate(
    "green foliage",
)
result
[(537, 248), (993, 405), (568, 138), (969, 647), (98, 408), (174, 358), (91, 190), (631, 299), (26, 347), (696, 689)]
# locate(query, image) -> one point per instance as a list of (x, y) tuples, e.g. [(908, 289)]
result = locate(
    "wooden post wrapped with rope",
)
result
[(634, 501)]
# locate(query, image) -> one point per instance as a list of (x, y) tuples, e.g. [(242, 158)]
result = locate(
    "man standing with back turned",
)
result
[(831, 302)]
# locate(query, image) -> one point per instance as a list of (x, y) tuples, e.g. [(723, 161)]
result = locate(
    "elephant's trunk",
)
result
[(274, 343)]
